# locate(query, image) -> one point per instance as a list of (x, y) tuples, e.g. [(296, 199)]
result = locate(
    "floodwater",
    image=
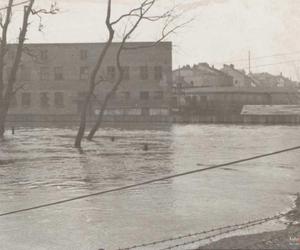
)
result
[(39, 165)]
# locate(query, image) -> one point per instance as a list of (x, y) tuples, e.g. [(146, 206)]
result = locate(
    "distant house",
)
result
[(268, 80), (224, 104), (271, 114), (240, 78), (201, 75)]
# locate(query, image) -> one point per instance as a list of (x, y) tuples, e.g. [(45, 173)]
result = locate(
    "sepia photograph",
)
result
[(149, 124)]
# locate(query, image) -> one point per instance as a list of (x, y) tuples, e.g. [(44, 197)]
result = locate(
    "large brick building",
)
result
[(55, 79)]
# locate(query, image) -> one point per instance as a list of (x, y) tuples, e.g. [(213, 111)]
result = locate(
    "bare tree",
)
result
[(7, 88), (93, 78), (138, 14)]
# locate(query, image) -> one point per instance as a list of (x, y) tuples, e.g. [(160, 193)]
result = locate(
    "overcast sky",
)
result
[(223, 30)]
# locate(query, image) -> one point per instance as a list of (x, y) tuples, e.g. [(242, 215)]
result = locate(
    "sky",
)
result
[(222, 31)]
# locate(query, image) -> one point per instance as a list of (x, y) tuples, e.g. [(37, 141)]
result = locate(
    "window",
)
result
[(145, 111), (158, 95), (82, 94), (84, 73), (58, 73), (26, 99), (157, 72), (111, 73), (59, 99), (44, 100), (44, 55), (13, 101), (83, 54), (144, 72), (126, 95), (11, 54), (126, 73), (44, 73), (8, 70), (144, 95), (25, 74), (203, 98)]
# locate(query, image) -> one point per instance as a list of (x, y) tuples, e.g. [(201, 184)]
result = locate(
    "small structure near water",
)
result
[(271, 114)]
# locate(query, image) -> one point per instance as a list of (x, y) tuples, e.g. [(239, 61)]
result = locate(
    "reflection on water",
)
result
[(39, 165)]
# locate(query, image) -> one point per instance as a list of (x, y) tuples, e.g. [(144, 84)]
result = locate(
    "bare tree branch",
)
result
[(18, 88), (92, 79)]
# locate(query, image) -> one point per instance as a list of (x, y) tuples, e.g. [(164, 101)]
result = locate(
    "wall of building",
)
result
[(55, 77), (239, 78), (202, 75), (227, 105)]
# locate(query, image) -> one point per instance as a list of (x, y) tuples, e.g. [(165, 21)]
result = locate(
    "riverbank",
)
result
[(278, 240)]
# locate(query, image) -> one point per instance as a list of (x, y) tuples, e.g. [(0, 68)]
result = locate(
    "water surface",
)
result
[(39, 165)]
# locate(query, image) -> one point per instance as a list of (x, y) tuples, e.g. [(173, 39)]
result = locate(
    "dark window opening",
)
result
[(144, 72), (13, 101), (158, 72), (58, 73), (158, 95), (26, 99), (84, 73), (126, 73), (44, 99), (126, 95), (83, 54), (44, 73), (145, 111), (111, 73), (59, 99), (144, 95), (44, 55)]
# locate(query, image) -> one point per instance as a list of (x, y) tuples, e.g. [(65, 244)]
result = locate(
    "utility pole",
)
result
[(249, 61)]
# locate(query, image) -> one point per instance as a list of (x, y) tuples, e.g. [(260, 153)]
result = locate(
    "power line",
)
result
[(263, 57), (147, 182), (271, 64), (14, 5)]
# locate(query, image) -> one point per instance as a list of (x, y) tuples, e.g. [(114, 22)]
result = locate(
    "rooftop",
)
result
[(239, 90), (271, 110)]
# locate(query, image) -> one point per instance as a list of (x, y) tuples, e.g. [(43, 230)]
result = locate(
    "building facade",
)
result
[(240, 78), (268, 80), (224, 104), (54, 80), (201, 75)]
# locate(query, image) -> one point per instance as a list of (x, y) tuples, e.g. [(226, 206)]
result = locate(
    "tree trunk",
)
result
[(99, 119), (92, 81), (2, 126), (82, 125), (3, 115), (108, 96)]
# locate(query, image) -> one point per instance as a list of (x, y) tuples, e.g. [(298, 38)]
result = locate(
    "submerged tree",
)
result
[(7, 87), (134, 17)]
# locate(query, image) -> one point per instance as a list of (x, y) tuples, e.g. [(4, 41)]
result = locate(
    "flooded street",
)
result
[(39, 165)]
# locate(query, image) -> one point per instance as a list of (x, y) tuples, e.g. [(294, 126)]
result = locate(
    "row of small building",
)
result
[(55, 79)]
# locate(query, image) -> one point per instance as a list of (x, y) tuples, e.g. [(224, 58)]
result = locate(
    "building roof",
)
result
[(271, 110), (195, 90), (202, 68), (267, 79), (142, 45)]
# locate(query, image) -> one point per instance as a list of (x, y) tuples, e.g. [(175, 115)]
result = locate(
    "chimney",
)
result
[(232, 66)]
